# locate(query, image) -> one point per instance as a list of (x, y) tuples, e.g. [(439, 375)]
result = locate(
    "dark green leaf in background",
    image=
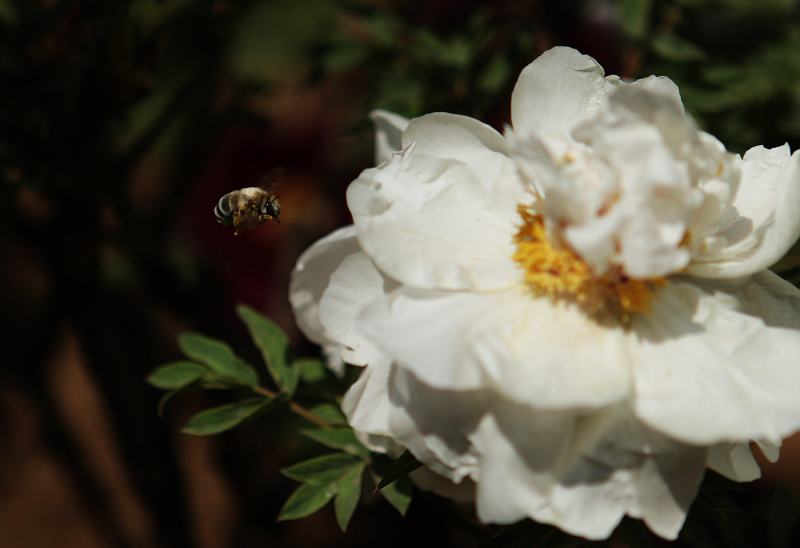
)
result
[(634, 16), (348, 493), (225, 417), (676, 48), (398, 494), (176, 375), (218, 356), (274, 346), (338, 438), (307, 499), (322, 470), (311, 369), (329, 413)]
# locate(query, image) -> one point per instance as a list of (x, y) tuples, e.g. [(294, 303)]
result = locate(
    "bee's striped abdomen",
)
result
[(222, 211)]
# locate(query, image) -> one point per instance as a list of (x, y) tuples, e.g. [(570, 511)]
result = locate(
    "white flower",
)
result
[(576, 319)]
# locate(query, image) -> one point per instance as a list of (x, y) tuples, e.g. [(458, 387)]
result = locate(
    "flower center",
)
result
[(559, 273)]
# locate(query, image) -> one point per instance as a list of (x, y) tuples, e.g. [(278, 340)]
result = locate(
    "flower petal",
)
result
[(519, 460), (522, 347), (662, 85), (707, 372), (734, 461), (310, 278), (583, 474), (527, 351), (766, 220), (435, 424), (557, 90), (353, 285), (455, 137), (389, 129), (427, 332), (367, 407), (433, 223)]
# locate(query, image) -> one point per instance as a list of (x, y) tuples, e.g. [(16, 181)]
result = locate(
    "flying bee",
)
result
[(247, 208)]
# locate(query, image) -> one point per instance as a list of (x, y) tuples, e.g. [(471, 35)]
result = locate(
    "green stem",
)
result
[(295, 407)]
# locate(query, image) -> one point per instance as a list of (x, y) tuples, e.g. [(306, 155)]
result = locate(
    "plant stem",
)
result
[(295, 407)]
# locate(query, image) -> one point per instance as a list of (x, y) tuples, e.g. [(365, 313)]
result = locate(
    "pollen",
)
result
[(556, 271)]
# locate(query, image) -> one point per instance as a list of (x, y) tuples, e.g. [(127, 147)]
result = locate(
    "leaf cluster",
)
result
[(338, 476)]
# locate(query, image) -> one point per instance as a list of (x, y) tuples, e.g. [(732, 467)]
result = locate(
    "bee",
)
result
[(247, 208)]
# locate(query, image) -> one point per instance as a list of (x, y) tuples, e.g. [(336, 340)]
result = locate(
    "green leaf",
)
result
[(676, 48), (8, 12), (349, 491), (307, 499), (329, 413), (225, 417), (338, 438), (495, 76), (176, 375), (404, 465), (274, 346), (311, 369), (321, 470), (635, 16), (398, 494), (218, 356)]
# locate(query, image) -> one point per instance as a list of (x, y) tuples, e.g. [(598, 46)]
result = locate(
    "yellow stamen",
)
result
[(559, 273)]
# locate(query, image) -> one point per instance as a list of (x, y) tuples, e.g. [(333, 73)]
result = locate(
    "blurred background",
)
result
[(121, 124)]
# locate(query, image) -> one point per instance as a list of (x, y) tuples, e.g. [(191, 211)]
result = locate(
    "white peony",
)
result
[(572, 321)]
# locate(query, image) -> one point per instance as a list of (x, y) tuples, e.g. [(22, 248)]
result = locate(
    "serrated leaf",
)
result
[(224, 417), (321, 470), (404, 465), (274, 346), (634, 16), (176, 375), (348, 493), (329, 413), (218, 356), (677, 48), (338, 438), (398, 494), (307, 499), (311, 369)]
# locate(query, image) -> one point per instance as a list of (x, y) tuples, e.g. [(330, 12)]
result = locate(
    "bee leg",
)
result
[(236, 221)]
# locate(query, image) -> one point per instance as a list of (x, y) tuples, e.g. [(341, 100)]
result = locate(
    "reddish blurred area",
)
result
[(106, 260)]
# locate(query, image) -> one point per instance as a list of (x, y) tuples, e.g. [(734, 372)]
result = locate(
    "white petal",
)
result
[(706, 372), (311, 275), (428, 333), (455, 137), (771, 450), (367, 407), (520, 460), (734, 461), (768, 220), (389, 128), (522, 347), (390, 410), (353, 285), (666, 485), (433, 223), (583, 474), (558, 90), (428, 480), (528, 350), (662, 85), (435, 425)]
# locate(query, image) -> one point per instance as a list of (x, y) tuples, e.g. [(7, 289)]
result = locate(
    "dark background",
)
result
[(122, 123)]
